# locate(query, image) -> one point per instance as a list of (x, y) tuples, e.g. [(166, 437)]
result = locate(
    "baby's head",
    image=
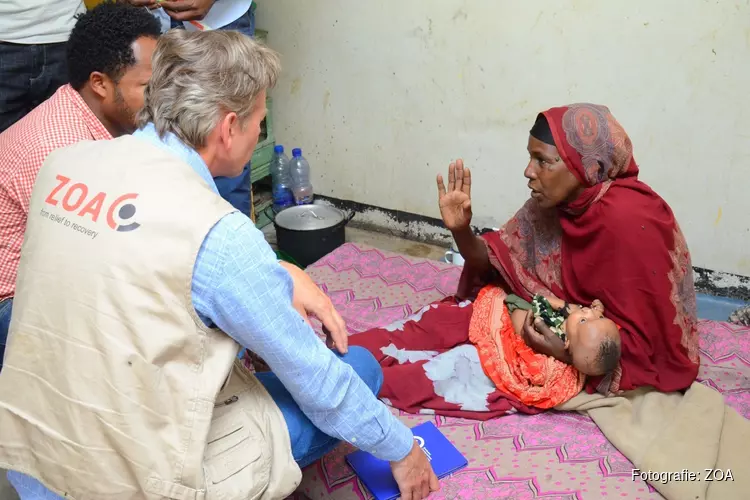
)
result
[(593, 341)]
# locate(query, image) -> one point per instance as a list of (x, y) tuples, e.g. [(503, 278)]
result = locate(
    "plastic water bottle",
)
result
[(281, 181), (300, 172)]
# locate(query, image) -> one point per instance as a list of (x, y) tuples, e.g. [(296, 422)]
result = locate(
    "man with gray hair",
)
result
[(133, 301)]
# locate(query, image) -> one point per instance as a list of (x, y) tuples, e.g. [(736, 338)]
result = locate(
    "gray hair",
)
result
[(199, 76)]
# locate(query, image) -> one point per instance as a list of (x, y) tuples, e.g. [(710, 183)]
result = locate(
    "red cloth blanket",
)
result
[(429, 365)]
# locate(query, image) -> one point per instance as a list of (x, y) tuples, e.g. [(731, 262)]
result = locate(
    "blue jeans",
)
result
[(29, 75), (308, 442), (236, 190), (5, 309)]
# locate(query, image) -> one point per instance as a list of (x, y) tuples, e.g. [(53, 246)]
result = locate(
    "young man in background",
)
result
[(109, 65)]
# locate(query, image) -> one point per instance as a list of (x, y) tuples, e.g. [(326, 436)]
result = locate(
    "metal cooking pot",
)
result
[(307, 233)]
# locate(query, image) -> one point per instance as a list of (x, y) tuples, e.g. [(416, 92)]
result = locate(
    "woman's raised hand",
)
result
[(455, 202)]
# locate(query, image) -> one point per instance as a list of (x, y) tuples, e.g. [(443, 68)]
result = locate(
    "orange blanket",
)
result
[(535, 379)]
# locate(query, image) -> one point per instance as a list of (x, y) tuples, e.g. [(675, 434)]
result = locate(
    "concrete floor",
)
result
[(381, 241), (395, 244)]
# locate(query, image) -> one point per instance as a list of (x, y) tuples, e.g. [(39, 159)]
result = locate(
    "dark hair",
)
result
[(102, 40), (608, 356)]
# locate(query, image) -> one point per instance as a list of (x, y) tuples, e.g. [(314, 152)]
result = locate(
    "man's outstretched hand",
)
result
[(308, 299), (414, 475)]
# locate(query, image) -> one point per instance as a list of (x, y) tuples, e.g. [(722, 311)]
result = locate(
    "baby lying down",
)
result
[(542, 369), (590, 342)]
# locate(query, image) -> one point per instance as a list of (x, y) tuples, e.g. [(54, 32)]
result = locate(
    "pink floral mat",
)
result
[(553, 455)]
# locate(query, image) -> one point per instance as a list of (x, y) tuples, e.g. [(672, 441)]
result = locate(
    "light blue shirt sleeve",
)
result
[(239, 286)]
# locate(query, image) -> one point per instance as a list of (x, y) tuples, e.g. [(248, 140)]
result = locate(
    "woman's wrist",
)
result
[(471, 247)]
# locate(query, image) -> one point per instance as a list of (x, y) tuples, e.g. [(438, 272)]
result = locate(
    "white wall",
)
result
[(383, 94)]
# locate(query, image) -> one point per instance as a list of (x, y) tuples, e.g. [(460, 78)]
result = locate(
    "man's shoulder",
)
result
[(236, 221), (48, 127), (119, 149), (232, 245), (235, 234), (232, 230)]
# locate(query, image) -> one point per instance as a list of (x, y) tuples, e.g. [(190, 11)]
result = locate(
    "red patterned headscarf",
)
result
[(618, 242)]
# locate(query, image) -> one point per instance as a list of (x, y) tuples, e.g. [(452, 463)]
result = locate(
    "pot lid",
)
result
[(308, 217)]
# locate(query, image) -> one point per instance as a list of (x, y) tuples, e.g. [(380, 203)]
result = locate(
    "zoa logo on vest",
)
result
[(75, 198)]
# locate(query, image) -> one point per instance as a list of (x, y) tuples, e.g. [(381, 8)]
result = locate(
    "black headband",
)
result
[(541, 130)]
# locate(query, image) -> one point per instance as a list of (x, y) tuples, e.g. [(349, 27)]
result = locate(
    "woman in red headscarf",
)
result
[(591, 230)]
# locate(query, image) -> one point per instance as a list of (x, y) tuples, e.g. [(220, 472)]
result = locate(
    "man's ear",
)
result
[(227, 127), (99, 83)]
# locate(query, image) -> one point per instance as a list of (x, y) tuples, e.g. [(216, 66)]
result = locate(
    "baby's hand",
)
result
[(555, 302), (597, 305)]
